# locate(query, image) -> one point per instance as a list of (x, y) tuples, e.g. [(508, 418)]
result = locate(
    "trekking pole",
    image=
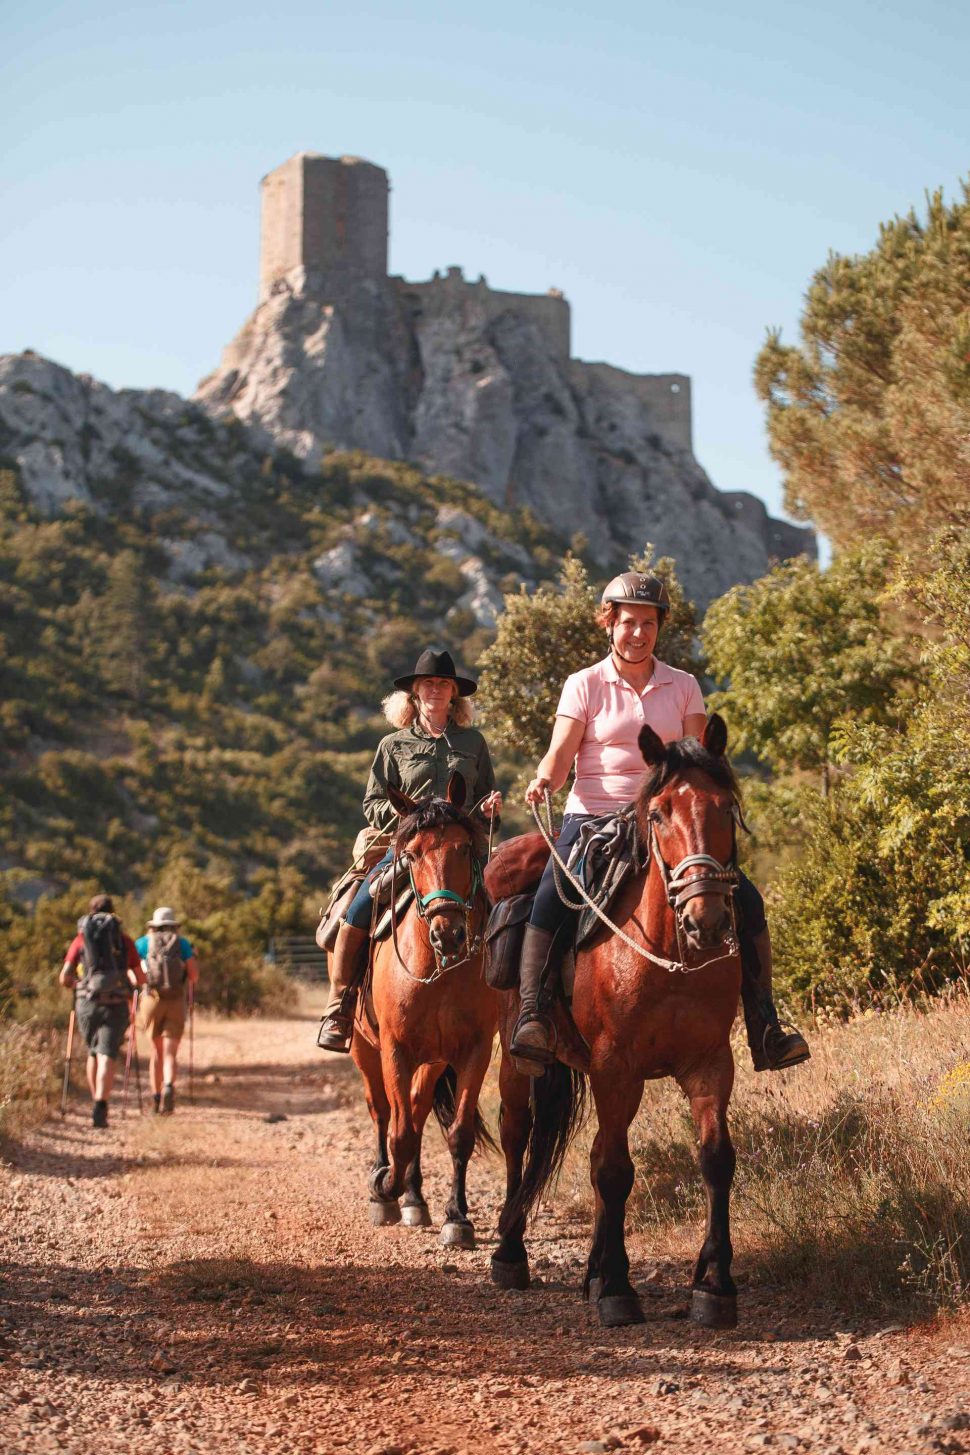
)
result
[(191, 1043), (131, 1044), (134, 1031), (67, 1061)]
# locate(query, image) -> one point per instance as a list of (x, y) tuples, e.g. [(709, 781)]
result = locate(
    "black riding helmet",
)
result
[(636, 588)]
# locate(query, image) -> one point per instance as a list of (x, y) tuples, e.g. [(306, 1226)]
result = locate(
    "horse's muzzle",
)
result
[(447, 932), (707, 922)]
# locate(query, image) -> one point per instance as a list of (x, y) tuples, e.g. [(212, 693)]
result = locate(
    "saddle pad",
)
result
[(383, 927), (516, 867), (603, 858), (503, 940)]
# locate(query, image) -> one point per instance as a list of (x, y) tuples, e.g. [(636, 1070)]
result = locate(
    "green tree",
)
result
[(123, 626), (869, 416), (544, 636), (800, 649), (877, 900)]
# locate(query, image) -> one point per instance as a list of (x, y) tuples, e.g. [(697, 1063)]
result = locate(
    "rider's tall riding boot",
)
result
[(533, 1044), (772, 1048), (346, 968)]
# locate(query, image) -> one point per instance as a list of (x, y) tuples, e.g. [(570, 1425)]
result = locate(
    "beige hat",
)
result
[(163, 919)]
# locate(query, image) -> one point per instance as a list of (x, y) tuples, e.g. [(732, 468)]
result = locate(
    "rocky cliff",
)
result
[(461, 380)]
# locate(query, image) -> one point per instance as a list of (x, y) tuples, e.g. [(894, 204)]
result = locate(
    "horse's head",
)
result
[(687, 809), (444, 850)]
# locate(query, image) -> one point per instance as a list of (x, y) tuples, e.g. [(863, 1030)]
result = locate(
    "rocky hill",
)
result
[(459, 379), (196, 630)]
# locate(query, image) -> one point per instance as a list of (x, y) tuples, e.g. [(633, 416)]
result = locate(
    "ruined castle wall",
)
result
[(326, 216), (453, 294), (667, 397)]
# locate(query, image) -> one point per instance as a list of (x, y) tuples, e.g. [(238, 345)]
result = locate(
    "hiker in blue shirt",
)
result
[(170, 967)]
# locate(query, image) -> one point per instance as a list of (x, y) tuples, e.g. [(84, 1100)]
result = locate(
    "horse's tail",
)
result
[(558, 1112), (443, 1106)]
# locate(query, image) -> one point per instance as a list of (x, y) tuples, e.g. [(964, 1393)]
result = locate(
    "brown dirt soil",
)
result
[(210, 1282)]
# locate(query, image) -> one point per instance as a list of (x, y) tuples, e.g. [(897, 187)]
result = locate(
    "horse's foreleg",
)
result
[(714, 1298), (510, 1261), (402, 1143), (457, 1231), (414, 1209), (611, 1173), (368, 1060)]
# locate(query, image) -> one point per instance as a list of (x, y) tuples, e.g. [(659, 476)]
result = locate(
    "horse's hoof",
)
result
[(510, 1275), (457, 1235), (384, 1214), (714, 1310), (415, 1215), (618, 1309)]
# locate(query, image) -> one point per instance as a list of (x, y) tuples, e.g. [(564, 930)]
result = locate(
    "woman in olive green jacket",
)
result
[(434, 740)]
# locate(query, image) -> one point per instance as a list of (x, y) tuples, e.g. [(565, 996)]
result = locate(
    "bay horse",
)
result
[(436, 1017), (643, 1018)]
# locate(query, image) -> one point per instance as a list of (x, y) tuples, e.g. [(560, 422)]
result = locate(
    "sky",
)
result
[(678, 170)]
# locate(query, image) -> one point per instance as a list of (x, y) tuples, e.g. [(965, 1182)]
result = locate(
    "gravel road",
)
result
[(210, 1282)]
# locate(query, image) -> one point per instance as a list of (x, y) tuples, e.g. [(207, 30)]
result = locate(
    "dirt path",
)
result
[(210, 1283)]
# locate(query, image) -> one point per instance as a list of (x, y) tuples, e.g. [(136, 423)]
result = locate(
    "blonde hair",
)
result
[(401, 709)]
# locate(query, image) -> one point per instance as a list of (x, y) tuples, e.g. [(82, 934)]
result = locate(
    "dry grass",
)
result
[(29, 1065), (853, 1170)]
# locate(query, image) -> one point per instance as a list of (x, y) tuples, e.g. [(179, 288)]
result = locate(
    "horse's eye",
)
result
[(655, 816)]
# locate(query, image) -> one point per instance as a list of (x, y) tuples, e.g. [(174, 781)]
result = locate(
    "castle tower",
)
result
[(326, 216)]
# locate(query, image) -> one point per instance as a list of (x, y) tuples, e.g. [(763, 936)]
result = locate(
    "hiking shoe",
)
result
[(99, 1114), (168, 1101)]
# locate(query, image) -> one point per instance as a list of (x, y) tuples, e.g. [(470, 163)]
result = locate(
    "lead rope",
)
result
[(672, 966)]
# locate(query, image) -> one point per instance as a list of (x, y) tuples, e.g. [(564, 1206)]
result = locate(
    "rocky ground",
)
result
[(211, 1283)]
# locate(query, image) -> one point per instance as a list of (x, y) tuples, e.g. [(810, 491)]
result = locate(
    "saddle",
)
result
[(603, 858)]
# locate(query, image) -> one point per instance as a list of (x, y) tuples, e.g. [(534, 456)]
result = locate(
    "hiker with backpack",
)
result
[(170, 967), (110, 971)]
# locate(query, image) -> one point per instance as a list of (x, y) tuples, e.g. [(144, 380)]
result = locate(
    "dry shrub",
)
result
[(29, 1063), (853, 1176)]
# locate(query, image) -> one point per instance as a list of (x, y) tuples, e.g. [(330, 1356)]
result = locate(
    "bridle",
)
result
[(422, 902), (715, 878)]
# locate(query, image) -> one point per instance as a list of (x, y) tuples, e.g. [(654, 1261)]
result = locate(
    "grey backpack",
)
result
[(164, 966)]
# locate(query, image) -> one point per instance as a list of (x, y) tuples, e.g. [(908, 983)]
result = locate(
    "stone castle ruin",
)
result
[(471, 381)]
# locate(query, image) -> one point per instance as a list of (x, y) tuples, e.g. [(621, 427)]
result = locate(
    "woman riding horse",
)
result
[(434, 740), (600, 714)]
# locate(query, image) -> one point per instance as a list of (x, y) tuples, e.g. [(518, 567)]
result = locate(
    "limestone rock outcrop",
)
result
[(464, 381)]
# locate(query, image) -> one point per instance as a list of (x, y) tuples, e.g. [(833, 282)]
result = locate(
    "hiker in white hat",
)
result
[(170, 967)]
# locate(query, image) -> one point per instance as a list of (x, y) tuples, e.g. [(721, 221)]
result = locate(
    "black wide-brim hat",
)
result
[(437, 664)]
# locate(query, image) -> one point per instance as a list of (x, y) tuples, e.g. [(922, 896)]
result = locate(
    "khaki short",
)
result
[(161, 1017)]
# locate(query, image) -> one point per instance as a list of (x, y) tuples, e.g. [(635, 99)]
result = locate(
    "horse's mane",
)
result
[(678, 758), (436, 813)]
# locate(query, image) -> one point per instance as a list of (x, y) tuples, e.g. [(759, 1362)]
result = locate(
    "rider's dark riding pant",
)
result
[(362, 906)]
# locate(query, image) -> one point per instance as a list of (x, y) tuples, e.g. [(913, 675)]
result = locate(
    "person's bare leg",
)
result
[(91, 1069), (170, 1050), (104, 1078), (155, 1065)]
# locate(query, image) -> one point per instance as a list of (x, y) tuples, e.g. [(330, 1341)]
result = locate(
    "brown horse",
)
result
[(663, 1009), (436, 1017)]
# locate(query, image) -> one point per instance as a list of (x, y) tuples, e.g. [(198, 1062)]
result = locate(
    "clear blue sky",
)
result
[(679, 170)]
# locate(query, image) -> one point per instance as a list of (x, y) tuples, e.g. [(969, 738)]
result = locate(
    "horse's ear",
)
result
[(714, 737), (651, 746), (457, 791), (400, 802)]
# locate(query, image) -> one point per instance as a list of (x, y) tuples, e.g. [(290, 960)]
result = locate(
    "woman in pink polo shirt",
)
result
[(598, 720)]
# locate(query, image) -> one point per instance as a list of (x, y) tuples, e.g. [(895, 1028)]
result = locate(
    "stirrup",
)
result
[(792, 1051)]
